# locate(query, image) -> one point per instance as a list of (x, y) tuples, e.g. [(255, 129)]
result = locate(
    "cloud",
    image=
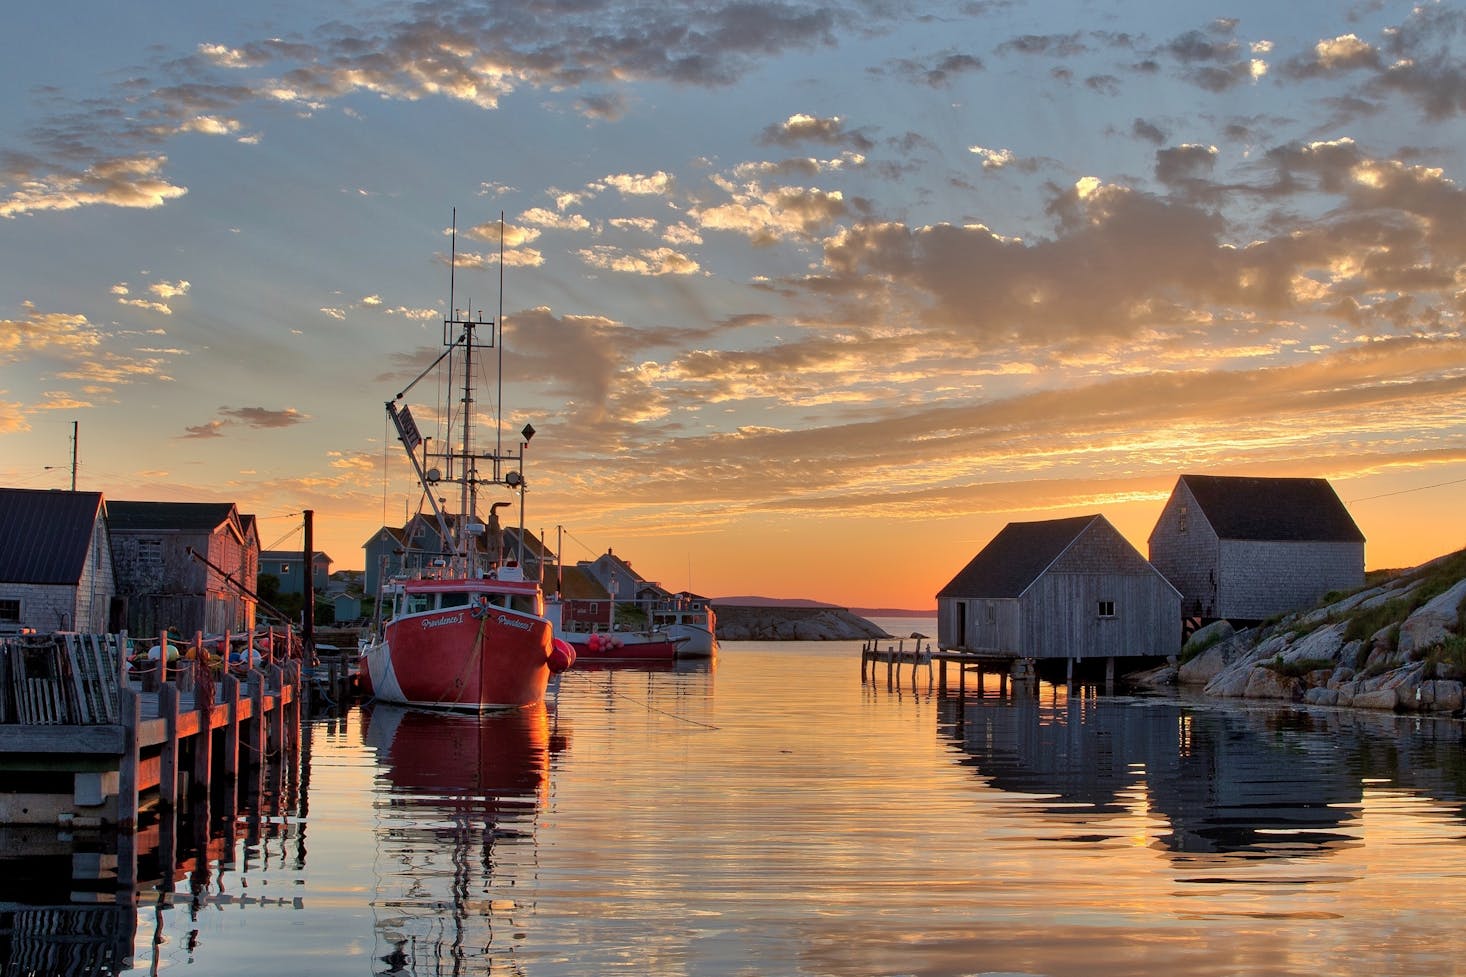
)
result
[(117, 182), (648, 261), (766, 215), (261, 417), (657, 184), (801, 128), (940, 71), (42, 334)]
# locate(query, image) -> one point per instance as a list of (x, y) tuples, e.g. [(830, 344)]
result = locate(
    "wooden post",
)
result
[(277, 715), (1110, 675), (256, 733), (127, 772), (229, 696), (1069, 675), (168, 760), (942, 678), (203, 748)]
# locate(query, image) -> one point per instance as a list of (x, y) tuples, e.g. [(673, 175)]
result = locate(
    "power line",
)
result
[(1418, 488)]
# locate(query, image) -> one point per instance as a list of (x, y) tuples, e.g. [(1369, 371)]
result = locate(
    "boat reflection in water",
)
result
[(456, 832)]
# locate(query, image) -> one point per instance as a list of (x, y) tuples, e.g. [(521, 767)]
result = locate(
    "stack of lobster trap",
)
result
[(61, 679)]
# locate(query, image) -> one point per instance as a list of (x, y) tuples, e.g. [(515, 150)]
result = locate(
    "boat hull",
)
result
[(452, 659), (619, 647), (695, 641)]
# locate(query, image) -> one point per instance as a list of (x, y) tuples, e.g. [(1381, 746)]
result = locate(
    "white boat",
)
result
[(690, 621)]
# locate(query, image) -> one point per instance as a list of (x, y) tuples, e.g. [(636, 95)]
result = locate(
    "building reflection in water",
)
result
[(456, 857), (1265, 782)]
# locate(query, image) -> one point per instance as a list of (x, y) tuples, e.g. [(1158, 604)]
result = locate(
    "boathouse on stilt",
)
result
[(1059, 589)]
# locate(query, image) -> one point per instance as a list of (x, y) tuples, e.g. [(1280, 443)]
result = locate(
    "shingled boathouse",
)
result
[(1246, 549), (1059, 589)]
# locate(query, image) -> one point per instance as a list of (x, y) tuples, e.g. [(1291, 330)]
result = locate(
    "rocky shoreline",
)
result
[(752, 623), (1399, 644)]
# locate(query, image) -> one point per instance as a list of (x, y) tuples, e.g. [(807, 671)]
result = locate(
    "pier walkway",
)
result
[(85, 743), (1006, 667)]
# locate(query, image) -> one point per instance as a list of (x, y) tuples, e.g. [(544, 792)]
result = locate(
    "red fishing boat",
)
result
[(460, 627)]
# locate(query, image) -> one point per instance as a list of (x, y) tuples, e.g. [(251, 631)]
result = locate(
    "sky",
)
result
[(802, 299)]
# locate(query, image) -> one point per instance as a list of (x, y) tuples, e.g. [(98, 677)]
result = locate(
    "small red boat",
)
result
[(621, 646)]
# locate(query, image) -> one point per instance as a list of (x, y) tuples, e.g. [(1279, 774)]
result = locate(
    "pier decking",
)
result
[(1006, 667), (87, 744)]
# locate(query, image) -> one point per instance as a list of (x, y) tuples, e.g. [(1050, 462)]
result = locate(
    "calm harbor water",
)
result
[(770, 814)]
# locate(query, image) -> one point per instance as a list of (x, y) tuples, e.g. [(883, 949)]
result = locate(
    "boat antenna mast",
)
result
[(466, 332)]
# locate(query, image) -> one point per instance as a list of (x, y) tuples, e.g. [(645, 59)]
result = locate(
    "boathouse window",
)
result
[(9, 610), (991, 610), (1181, 517), (1106, 608)]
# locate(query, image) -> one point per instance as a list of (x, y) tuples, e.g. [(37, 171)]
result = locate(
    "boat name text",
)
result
[(514, 622), (438, 622)]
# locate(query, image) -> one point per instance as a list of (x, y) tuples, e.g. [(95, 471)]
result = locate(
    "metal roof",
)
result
[(1275, 509), (1016, 557), (196, 517), (46, 534)]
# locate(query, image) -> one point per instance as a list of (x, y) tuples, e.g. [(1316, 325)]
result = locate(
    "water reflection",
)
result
[(1265, 783), (456, 833)]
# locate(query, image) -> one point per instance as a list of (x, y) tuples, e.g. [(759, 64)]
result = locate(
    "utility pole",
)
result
[(308, 626), (74, 435)]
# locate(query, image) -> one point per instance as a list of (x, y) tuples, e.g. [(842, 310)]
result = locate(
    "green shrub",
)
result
[(1299, 668)]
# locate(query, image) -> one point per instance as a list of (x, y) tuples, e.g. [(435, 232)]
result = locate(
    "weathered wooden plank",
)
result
[(94, 739)]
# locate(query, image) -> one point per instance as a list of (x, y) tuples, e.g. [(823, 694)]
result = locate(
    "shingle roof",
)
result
[(1016, 557), (576, 584), (1277, 509), (203, 517), (47, 534)]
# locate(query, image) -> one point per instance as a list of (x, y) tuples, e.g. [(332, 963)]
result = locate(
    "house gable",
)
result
[(1015, 558), (48, 535)]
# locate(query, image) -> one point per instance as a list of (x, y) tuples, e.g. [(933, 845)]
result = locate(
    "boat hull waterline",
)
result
[(457, 659)]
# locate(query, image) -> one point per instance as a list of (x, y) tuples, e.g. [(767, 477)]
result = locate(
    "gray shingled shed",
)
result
[(1247, 548), (1059, 588)]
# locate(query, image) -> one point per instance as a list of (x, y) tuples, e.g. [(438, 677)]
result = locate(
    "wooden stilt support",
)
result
[(168, 758)]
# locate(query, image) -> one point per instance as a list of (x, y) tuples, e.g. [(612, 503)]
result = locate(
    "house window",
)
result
[(284, 568), (150, 554), (9, 610), (1182, 515), (1106, 608), (992, 612)]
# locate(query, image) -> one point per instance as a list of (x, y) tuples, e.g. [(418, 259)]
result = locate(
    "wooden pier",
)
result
[(84, 743), (1007, 668)]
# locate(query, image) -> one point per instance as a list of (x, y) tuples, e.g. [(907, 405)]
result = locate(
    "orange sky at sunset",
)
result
[(803, 299)]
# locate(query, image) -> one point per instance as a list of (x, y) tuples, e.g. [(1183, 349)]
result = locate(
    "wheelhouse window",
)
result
[(9, 610), (1106, 608), (455, 599)]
